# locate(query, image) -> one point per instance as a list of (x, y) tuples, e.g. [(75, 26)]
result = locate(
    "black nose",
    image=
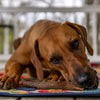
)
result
[(84, 80)]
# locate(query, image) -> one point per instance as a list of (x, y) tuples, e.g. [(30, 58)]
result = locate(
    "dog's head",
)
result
[(62, 48)]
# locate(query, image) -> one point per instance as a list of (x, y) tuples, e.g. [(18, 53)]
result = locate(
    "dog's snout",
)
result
[(84, 80), (88, 80), (81, 79)]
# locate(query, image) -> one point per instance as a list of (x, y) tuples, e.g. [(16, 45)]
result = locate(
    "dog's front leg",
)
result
[(12, 75)]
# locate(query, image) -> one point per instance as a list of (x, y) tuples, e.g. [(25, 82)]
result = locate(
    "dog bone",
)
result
[(51, 85)]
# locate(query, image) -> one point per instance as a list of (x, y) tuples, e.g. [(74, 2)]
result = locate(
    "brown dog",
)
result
[(55, 46)]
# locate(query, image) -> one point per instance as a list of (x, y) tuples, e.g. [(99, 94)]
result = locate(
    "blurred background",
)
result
[(16, 16)]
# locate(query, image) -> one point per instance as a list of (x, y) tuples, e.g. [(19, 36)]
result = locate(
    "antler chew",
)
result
[(51, 85)]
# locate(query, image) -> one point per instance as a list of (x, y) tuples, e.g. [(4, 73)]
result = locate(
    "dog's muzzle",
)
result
[(88, 81)]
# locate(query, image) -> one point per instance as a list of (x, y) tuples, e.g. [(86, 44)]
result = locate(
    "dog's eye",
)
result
[(75, 44), (55, 60)]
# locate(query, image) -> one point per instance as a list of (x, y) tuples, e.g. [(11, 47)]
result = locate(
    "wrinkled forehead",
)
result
[(62, 34), (70, 33), (57, 38)]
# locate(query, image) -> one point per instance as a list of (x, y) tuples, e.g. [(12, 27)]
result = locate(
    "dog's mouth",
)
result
[(92, 85)]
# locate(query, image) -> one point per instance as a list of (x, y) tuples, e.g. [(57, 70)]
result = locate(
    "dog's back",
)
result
[(38, 29)]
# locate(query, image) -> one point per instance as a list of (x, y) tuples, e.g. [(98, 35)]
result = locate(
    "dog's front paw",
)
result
[(8, 82)]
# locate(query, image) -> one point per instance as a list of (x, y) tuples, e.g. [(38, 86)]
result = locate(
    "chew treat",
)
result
[(51, 85)]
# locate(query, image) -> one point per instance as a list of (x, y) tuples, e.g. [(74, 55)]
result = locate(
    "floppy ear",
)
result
[(82, 31), (17, 43), (35, 58)]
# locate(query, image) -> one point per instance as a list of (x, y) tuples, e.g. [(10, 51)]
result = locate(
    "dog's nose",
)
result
[(84, 80), (81, 79)]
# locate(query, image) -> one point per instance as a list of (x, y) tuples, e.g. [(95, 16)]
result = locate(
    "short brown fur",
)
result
[(44, 40)]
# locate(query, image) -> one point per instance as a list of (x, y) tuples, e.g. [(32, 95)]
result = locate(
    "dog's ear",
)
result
[(17, 43), (36, 60), (82, 31)]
